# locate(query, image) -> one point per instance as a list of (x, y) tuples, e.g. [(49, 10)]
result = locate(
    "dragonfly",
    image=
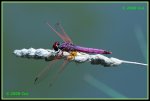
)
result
[(68, 46)]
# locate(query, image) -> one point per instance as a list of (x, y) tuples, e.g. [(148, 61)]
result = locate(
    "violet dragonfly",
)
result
[(68, 46)]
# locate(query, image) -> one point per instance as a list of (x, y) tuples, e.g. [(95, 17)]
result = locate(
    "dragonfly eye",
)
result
[(55, 46)]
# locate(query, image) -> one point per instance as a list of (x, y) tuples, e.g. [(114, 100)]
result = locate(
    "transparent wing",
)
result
[(62, 67), (60, 32), (44, 72)]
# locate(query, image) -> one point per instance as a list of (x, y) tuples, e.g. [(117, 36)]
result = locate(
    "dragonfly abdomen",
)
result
[(70, 47), (91, 50)]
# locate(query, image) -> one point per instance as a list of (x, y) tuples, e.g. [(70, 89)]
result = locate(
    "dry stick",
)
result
[(49, 55)]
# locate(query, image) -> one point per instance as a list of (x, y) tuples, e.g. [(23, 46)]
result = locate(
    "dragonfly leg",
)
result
[(72, 55), (59, 56)]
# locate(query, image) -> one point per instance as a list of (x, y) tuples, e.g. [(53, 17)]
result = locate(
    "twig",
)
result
[(50, 55)]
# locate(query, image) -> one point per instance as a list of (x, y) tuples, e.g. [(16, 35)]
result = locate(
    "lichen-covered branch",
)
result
[(50, 55)]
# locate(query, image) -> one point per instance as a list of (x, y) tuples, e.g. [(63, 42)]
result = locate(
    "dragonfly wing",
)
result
[(44, 72), (62, 67), (60, 35), (61, 30)]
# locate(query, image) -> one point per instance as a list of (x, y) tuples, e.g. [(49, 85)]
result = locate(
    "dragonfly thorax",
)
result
[(66, 46)]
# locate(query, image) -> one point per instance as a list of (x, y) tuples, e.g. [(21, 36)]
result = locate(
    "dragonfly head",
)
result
[(56, 46)]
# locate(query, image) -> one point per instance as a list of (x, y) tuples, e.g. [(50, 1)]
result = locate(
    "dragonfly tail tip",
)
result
[(107, 52)]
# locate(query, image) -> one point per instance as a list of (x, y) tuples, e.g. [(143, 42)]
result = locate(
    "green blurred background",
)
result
[(99, 25)]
